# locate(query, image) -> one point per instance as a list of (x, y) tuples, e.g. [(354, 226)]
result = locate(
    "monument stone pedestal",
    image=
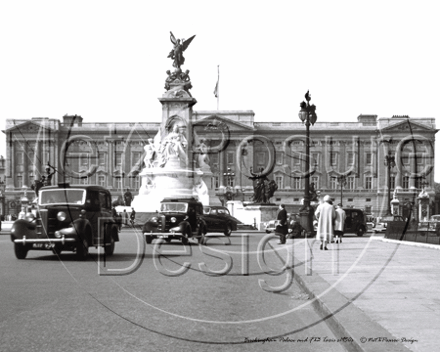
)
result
[(174, 164), (256, 214)]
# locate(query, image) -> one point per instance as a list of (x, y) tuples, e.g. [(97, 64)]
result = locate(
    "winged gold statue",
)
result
[(176, 54)]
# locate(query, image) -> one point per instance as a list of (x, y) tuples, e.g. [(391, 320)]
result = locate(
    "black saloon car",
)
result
[(218, 219), (177, 219), (67, 219)]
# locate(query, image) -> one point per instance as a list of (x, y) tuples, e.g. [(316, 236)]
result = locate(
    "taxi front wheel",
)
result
[(82, 249), (20, 251)]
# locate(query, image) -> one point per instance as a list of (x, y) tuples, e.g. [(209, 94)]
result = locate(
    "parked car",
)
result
[(381, 226), (67, 219), (371, 223), (355, 221), (218, 219), (183, 219), (271, 225), (382, 223)]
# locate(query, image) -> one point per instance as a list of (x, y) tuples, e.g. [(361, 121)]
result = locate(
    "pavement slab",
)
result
[(372, 288)]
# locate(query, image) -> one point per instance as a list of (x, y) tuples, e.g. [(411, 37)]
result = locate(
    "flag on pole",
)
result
[(216, 90), (218, 79)]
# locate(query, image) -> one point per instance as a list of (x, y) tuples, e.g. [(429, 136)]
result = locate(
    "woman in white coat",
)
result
[(326, 215)]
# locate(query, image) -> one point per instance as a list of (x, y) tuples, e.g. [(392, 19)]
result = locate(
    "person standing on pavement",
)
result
[(294, 230), (294, 227), (339, 223), (281, 228), (326, 215)]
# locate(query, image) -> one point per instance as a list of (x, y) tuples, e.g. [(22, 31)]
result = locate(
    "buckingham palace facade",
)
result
[(111, 151)]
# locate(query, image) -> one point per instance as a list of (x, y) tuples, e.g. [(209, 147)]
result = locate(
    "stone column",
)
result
[(323, 167), (222, 160), (10, 162), (111, 158), (412, 180)]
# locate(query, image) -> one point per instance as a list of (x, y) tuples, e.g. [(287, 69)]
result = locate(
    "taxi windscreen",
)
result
[(62, 196)]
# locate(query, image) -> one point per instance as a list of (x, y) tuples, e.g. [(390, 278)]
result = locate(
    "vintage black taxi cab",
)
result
[(67, 218), (177, 219)]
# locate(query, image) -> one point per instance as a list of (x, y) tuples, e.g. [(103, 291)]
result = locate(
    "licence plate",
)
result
[(43, 245)]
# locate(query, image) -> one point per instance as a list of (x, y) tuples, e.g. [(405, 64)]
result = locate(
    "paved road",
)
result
[(51, 303)]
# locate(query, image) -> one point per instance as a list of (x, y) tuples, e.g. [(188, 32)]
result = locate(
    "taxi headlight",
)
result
[(173, 219), (61, 216), (154, 219), (175, 229)]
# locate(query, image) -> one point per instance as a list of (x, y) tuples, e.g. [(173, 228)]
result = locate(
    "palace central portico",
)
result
[(111, 155)]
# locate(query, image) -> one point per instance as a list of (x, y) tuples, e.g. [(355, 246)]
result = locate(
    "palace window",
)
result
[(214, 159), (315, 180), (102, 158), (19, 181), (333, 158), (368, 184), (118, 158), (85, 181), (280, 158), (351, 182), (261, 158), (333, 183), (405, 182), (296, 183), (368, 159), (368, 209), (135, 157), (135, 183), (230, 157), (119, 183), (101, 180), (279, 181), (215, 182), (350, 159), (84, 159), (315, 159)]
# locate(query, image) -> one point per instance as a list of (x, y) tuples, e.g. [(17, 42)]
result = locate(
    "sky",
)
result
[(107, 60)]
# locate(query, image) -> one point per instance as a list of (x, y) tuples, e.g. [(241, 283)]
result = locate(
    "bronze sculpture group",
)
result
[(264, 188)]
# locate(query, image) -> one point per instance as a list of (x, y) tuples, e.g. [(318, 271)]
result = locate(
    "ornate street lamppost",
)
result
[(2, 198), (230, 191), (342, 180), (390, 163), (308, 117)]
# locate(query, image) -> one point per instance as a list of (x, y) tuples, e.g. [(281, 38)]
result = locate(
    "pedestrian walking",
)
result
[(326, 215), (132, 216), (281, 229), (117, 217), (339, 223), (124, 217)]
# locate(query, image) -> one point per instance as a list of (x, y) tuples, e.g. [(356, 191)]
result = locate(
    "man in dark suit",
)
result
[(281, 229)]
